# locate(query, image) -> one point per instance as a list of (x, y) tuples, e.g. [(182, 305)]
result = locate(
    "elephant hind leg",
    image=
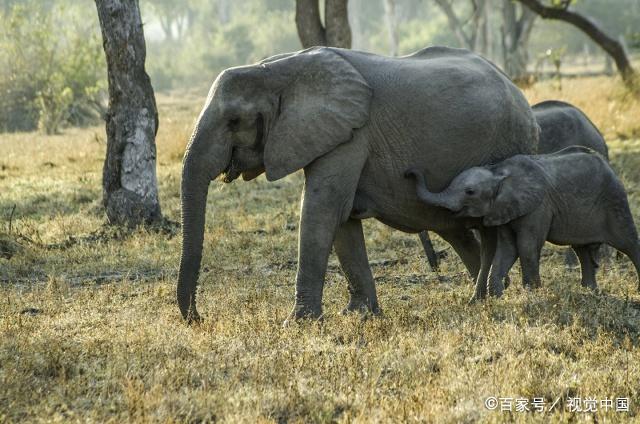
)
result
[(350, 248), (432, 256), (588, 264), (466, 245), (632, 250), (624, 237)]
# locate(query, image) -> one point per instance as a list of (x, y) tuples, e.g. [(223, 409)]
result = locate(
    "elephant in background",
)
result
[(561, 125), (353, 121), (571, 197)]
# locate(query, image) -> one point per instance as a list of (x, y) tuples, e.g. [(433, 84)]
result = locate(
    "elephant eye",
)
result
[(470, 191)]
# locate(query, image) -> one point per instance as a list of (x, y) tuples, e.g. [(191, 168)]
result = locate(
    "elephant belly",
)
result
[(579, 230), (400, 208)]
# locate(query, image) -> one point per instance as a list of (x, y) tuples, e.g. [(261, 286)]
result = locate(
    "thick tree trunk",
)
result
[(516, 33), (130, 193), (336, 31), (591, 29), (310, 29), (336, 18)]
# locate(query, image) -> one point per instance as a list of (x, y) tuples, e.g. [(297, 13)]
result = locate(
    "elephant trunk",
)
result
[(445, 199), (203, 162)]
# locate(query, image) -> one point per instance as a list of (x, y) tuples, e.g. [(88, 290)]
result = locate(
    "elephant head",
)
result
[(276, 116), (497, 193)]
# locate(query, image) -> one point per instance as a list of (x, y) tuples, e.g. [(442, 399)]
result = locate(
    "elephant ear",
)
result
[(322, 99), (520, 190)]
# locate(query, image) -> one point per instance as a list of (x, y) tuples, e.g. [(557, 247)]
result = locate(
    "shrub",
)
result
[(52, 70)]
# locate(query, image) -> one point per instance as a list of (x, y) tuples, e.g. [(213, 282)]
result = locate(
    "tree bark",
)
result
[(392, 25), (309, 25), (130, 193), (477, 38), (454, 23), (591, 29), (358, 40), (336, 18), (336, 31), (516, 33)]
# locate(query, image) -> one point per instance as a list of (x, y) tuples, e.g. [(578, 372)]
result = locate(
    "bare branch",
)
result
[(591, 29)]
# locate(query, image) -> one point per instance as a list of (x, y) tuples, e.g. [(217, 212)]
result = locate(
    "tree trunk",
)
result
[(310, 29), (336, 18), (130, 193), (591, 29), (480, 18), (358, 39), (392, 25), (336, 31), (454, 23), (516, 33)]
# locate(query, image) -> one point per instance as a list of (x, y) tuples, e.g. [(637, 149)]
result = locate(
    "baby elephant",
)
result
[(571, 197)]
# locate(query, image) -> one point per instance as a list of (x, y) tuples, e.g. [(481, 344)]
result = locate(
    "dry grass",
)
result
[(79, 346)]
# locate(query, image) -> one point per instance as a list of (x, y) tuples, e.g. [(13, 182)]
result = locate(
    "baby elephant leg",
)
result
[(529, 247), (503, 260), (632, 250), (588, 264), (623, 235), (488, 249)]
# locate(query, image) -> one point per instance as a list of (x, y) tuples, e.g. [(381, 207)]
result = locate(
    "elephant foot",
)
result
[(363, 306), (532, 285), (304, 312), (191, 315), (590, 285), (194, 319), (497, 293), (495, 288), (475, 299)]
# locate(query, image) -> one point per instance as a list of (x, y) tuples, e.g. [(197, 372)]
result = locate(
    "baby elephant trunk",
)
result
[(445, 199)]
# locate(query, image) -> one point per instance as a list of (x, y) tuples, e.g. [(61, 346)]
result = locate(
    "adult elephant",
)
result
[(354, 122)]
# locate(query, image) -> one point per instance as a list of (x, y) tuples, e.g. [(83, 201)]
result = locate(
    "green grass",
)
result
[(89, 328)]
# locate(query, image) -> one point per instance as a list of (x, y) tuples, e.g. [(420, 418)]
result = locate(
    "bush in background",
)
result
[(52, 69)]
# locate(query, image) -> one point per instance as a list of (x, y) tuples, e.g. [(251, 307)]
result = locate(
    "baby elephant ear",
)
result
[(520, 191), (323, 98)]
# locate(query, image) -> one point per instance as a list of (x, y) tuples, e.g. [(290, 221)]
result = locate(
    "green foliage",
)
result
[(52, 70), (214, 41)]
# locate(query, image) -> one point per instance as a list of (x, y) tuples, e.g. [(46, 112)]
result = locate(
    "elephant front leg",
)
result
[(505, 256), (350, 248), (316, 235), (327, 200)]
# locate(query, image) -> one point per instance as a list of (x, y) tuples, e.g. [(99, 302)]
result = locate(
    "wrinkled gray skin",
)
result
[(571, 197), (561, 125), (354, 122)]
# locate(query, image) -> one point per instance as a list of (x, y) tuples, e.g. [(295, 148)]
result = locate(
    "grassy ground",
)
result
[(89, 329)]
